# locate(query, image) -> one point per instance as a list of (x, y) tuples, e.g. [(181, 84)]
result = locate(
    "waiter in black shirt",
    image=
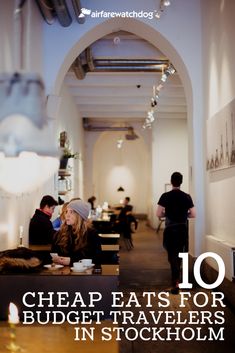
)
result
[(176, 206)]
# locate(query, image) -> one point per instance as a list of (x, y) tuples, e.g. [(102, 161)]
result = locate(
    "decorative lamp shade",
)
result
[(28, 155)]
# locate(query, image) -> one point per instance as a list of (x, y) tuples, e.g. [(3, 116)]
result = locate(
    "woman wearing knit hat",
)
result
[(76, 238)]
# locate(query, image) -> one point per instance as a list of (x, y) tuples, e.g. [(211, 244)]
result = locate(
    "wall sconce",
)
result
[(27, 155)]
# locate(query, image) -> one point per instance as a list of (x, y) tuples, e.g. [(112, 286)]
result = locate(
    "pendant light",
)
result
[(28, 155)]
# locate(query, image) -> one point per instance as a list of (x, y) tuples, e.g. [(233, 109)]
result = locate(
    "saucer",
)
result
[(54, 267), (74, 269), (90, 266)]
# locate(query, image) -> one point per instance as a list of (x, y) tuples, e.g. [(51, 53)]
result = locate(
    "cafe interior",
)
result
[(124, 93)]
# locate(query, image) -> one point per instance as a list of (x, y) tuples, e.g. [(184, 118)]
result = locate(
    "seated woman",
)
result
[(76, 239)]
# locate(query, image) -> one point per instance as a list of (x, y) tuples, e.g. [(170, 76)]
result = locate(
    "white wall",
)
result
[(68, 120), (219, 90), (108, 167), (170, 154)]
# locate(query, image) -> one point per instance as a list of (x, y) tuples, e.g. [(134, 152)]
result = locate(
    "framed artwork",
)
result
[(221, 139)]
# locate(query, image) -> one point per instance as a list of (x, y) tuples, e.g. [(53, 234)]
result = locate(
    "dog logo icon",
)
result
[(84, 12)]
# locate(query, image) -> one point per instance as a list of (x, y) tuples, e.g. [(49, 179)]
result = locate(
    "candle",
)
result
[(13, 317), (21, 229)]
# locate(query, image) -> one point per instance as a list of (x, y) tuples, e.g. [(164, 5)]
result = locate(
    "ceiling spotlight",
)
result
[(116, 40), (158, 14), (153, 102), (150, 118), (164, 77), (166, 3), (159, 87), (119, 143), (147, 125), (171, 70)]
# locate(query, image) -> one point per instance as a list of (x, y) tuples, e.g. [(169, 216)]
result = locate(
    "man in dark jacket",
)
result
[(40, 228)]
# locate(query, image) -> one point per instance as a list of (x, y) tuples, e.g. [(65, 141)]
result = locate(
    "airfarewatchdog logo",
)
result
[(122, 14)]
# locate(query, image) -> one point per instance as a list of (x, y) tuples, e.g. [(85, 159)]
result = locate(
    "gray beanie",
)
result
[(80, 207)]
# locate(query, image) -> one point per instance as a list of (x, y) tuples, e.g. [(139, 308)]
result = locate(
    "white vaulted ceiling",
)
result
[(106, 91)]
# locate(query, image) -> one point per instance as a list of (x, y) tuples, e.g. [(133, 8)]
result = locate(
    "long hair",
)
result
[(63, 211), (77, 231)]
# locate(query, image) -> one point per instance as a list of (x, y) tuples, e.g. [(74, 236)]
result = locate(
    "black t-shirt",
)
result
[(177, 204)]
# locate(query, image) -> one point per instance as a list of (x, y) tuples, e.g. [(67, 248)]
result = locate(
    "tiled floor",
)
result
[(145, 268)]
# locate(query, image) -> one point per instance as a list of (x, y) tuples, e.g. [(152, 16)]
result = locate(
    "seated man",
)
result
[(124, 223), (40, 228), (125, 208), (91, 200)]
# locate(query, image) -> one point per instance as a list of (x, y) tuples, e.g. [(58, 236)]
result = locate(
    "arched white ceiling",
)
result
[(136, 27)]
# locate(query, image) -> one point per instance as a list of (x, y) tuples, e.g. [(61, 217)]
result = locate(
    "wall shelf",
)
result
[(64, 173)]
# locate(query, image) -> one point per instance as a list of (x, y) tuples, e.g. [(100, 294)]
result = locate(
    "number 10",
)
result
[(197, 273)]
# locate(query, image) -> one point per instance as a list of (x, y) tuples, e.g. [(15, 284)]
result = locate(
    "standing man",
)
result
[(176, 206), (40, 228)]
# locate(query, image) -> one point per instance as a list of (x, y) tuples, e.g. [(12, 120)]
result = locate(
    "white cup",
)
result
[(78, 265), (53, 254), (86, 262)]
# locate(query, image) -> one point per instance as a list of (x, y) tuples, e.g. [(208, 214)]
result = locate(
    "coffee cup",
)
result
[(53, 254), (78, 265), (86, 262)]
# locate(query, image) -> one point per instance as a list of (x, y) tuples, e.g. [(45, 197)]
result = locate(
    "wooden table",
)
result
[(110, 254), (56, 339), (103, 226), (109, 238), (40, 247), (110, 247), (42, 252), (61, 280)]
